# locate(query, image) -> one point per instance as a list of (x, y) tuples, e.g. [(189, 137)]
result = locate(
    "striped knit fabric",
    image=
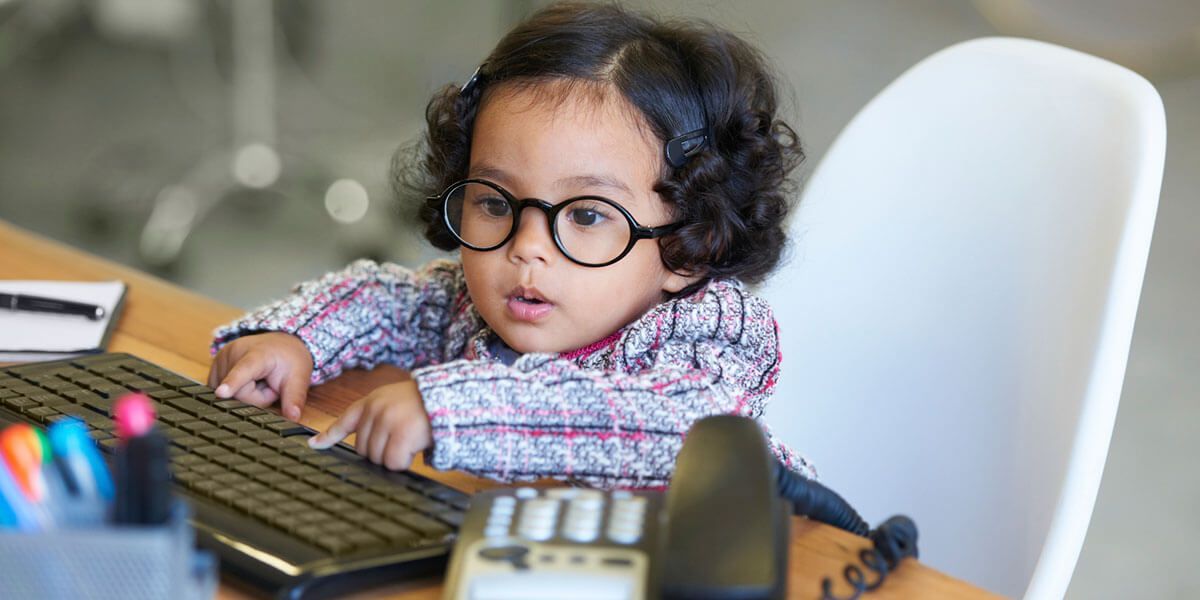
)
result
[(611, 414)]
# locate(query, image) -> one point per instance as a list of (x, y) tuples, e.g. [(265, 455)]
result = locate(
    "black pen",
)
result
[(50, 305)]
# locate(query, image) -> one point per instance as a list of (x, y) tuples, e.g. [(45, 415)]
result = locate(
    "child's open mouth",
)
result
[(528, 305)]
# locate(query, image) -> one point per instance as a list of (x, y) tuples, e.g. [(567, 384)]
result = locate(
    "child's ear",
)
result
[(677, 280)]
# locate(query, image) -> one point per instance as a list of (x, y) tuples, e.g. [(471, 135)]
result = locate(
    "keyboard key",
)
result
[(339, 507), (266, 417), (209, 469), (230, 460), (324, 480), (302, 472), (317, 498), (393, 532), (216, 435), (251, 469), (296, 488), (313, 516), (175, 417), (336, 527), (273, 497), (274, 479), (251, 488), (219, 418), (226, 495), (361, 516), (426, 526), (249, 411), (190, 442), (281, 463), (19, 402), (333, 544), (187, 460), (294, 507), (42, 414), (451, 517), (191, 406), (231, 479), (286, 428), (240, 427), (196, 426), (238, 444), (362, 539), (343, 490), (210, 452)]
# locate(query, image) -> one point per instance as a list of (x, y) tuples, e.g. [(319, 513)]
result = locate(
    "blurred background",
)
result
[(237, 148)]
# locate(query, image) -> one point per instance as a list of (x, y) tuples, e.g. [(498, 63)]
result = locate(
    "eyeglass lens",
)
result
[(589, 230)]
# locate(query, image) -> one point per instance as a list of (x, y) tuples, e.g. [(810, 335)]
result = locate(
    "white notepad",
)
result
[(34, 336)]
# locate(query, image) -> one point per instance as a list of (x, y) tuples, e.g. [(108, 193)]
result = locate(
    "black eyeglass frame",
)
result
[(636, 230)]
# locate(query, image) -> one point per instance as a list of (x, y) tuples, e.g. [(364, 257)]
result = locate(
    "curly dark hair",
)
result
[(733, 196)]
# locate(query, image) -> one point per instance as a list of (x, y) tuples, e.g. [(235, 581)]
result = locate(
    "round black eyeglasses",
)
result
[(592, 231)]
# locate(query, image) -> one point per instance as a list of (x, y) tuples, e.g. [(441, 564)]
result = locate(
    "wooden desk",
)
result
[(172, 327)]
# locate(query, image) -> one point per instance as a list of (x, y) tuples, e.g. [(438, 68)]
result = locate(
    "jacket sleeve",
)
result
[(364, 315), (547, 416)]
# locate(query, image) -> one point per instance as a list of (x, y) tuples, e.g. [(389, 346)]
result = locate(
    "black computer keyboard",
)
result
[(284, 517)]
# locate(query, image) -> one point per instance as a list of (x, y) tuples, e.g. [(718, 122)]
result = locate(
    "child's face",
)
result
[(534, 147)]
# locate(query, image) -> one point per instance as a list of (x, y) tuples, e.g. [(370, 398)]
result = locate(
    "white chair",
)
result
[(957, 310)]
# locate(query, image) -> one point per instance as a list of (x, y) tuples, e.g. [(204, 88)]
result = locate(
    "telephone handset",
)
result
[(721, 531), (726, 528)]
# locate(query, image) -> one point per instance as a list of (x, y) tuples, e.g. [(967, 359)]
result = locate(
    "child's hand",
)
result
[(262, 368), (391, 424)]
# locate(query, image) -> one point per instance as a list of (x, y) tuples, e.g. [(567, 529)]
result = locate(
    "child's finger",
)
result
[(377, 441), (217, 368), (246, 371), (344, 426), (398, 454), (291, 394), (257, 393)]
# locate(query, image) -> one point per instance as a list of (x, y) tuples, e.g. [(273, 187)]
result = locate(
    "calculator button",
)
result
[(581, 533), (562, 493), (624, 535), (503, 509)]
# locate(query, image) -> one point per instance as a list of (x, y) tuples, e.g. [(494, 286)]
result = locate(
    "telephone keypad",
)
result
[(582, 517), (570, 537)]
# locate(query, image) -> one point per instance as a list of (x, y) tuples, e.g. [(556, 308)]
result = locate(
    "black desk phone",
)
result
[(721, 531)]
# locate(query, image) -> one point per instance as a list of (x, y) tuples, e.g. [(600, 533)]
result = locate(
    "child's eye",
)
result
[(493, 206), (587, 215)]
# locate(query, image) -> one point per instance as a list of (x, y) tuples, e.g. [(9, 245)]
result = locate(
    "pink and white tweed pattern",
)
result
[(612, 414)]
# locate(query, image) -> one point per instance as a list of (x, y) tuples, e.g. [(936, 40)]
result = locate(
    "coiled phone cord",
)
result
[(893, 541)]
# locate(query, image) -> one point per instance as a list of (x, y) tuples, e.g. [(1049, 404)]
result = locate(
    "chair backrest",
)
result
[(958, 306)]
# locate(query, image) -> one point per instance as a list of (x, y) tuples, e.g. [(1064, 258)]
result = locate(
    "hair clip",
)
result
[(472, 83), (681, 148)]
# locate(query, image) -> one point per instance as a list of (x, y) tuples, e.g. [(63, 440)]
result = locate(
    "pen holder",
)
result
[(126, 562)]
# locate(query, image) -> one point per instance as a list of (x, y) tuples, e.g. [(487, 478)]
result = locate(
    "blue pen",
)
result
[(76, 454), (16, 510)]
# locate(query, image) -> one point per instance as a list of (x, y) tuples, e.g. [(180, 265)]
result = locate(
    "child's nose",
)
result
[(532, 240)]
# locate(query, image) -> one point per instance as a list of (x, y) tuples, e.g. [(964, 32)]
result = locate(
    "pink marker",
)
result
[(142, 467), (134, 414)]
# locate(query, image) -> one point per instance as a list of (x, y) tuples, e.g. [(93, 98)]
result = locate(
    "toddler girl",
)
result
[(609, 181)]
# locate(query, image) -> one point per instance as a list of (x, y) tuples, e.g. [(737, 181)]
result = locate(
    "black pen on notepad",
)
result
[(50, 305)]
